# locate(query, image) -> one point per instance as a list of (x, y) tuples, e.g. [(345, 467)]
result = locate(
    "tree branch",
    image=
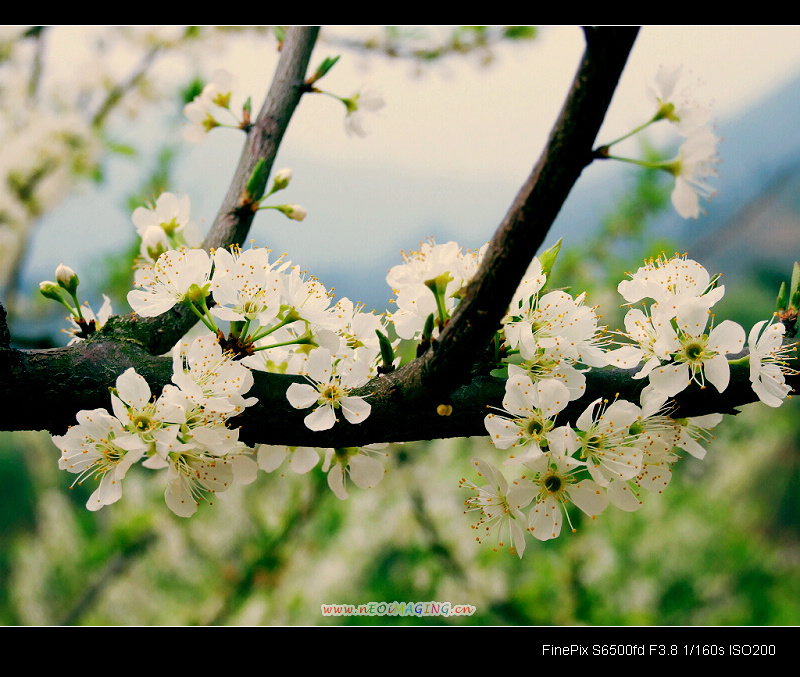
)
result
[(44, 389), (233, 221), (523, 230)]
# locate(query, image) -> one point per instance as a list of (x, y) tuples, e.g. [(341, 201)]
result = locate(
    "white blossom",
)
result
[(500, 507), (359, 463), (169, 281), (768, 362), (330, 390), (100, 447)]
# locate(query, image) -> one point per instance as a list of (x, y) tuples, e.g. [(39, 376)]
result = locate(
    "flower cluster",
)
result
[(428, 285), (211, 106), (616, 451), (675, 336), (263, 313), (182, 430), (696, 158)]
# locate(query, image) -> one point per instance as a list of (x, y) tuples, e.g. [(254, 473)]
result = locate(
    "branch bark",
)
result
[(44, 389)]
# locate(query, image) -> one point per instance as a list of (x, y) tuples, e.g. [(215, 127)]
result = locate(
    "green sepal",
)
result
[(427, 331), (50, 290), (548, 259), (501, 372), (196, 293)]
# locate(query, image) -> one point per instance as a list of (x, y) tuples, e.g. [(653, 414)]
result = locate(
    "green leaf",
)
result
[(795, 285)]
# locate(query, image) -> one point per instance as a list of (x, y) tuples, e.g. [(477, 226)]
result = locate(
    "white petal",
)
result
[(589, 497), (270, 456), (319, 365), (503, 432), (133, 389), (670, 379), (517, 536), (302, 395), (147, 304), (717, 371), (365, 471), (355, 409), (726, 337), (322, 418), (621, 496), (336, 482), (544, 521), (179, 497), (245, 469), (304, 459)]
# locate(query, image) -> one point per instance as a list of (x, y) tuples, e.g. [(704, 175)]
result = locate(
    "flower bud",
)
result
[(281, 179), (294, 212), (50, 290), (67, 279)]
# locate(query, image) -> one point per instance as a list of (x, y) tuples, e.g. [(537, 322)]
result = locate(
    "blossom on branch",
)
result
[(330, 390), (169, 281)]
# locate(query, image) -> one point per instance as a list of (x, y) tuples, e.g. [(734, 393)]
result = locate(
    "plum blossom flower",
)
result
[(358, 462), (211, 378), (246, 286), (500, 506), (768, 362), (91, 321), (532, 408), (426, 283), (330, 391), (192, 477), (556, 483), (171, 213), (99, 446), (678, 106), (605, 441), (649, 345), (368, 100), (169, 281), (701, 356), (146, 417), (691, 169), (671, 283), (202, 111)]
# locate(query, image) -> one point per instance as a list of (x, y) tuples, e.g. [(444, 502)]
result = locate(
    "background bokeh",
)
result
[(461, 129)]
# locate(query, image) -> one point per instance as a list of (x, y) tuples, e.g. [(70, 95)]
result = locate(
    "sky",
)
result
[(446, 155)]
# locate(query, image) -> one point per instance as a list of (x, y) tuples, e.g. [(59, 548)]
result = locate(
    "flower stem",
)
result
[(202, 317), (638, 129), (291, 316)]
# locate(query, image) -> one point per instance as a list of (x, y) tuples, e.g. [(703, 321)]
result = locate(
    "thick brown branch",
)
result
[(44, 389)]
